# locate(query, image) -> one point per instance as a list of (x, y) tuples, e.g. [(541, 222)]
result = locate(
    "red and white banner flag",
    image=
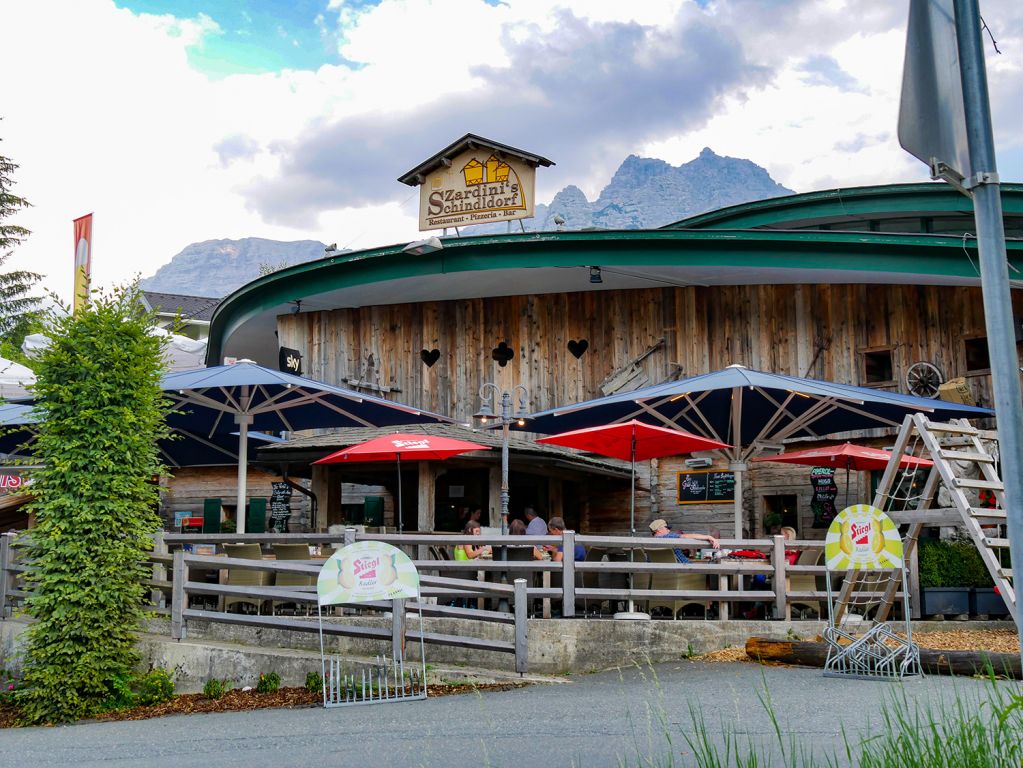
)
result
[(83, 259)]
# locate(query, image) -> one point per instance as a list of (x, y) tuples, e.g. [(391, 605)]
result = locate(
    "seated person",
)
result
[(662, 530), (556, 527), (518, 528), (468, 551)]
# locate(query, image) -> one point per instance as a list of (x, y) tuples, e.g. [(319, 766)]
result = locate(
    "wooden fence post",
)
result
[(178, 595), (6, 560), (156, 595), (521, 627), (568, 574), (782, 609)]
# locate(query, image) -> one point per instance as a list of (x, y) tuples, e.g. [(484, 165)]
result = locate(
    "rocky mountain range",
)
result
[(643, 193), (217, 267)]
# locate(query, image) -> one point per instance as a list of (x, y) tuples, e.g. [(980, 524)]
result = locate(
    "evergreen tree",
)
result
[(18, 307), (101, 412)]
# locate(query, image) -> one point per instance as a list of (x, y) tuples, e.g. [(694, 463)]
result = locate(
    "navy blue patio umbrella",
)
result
[(750, 411), (228, 398)]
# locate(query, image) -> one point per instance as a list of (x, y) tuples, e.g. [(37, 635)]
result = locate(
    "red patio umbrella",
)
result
[(629, 441), (403, 445), (633, 440), (846, 456)]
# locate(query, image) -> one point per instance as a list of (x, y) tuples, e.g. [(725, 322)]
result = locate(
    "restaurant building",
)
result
[(873, 286)]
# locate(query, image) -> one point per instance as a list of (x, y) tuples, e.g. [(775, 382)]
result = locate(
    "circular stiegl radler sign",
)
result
[(862, 537), (367, 571)]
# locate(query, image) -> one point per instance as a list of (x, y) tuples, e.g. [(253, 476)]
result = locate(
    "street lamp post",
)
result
[(496, 403)]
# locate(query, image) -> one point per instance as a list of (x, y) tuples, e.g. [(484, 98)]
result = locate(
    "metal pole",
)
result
[(505, 422), (502, 603), (399, 493), (994, 276), (243, 419)]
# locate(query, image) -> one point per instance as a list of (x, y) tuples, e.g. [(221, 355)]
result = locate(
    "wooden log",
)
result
[(934, 662)]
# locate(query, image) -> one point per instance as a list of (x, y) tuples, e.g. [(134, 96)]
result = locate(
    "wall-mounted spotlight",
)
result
[(296, 306), (420, 247), (595, 275)]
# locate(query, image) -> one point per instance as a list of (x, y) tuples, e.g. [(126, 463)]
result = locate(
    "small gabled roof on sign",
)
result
[(418, 175)]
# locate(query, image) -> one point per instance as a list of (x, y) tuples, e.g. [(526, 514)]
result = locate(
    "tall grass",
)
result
[(975, 729)]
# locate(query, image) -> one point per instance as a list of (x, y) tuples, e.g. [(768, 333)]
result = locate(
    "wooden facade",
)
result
[(641, 336), (820, 331)]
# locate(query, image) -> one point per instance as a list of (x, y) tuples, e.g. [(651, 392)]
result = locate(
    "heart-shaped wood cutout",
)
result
[(430, 356), (578, 348), (502, 353)]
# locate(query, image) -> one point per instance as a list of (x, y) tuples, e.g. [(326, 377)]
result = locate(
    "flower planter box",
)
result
[(985, 602), (945, 601)]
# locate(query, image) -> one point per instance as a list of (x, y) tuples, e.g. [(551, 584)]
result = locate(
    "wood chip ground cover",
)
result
[(994, 640), (240, 701)]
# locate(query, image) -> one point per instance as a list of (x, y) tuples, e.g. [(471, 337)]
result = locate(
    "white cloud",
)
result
[(105, 114)]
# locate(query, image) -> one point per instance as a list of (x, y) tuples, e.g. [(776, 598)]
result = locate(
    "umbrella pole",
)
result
[(243, 467), (400, 526), (631, 612)]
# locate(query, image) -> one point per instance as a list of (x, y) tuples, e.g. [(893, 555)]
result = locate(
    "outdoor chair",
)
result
[(674, 582), (615, 580), (237, 577), (292, 552), (591, 579), (806, 582)]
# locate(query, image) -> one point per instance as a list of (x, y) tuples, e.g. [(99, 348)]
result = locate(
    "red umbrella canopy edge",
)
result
[(616, 441), (845, 456), (409, 447)]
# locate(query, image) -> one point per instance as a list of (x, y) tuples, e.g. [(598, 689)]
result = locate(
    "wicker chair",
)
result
[(806, 582), (237, 577), (292, 552), (674, 581)]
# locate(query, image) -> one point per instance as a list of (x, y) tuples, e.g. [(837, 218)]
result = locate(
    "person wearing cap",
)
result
[(662, 530)]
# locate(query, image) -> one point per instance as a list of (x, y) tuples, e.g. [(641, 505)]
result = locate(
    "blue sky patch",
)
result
[(257, 36)]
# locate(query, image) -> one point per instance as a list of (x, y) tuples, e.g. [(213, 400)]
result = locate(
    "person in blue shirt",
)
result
[(661, 529), (556, 527), (535, 526)]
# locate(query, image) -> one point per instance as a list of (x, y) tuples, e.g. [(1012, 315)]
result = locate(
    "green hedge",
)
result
[(952, 563)]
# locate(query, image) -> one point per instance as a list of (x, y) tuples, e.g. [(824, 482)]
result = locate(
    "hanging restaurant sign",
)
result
[(475, 181)]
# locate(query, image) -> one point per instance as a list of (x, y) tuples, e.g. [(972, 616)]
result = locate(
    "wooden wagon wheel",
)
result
[(923, 379)]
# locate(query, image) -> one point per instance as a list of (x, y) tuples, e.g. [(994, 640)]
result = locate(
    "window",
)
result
[(878, 367), (977, 359), (780, 511)]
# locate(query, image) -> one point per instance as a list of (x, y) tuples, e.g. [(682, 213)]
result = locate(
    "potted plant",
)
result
[(944, 576)]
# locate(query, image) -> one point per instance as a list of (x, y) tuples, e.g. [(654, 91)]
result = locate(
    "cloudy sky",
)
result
[(176, 121)]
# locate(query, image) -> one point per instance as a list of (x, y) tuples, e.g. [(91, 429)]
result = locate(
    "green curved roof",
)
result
[(552, 262), (838, 205)]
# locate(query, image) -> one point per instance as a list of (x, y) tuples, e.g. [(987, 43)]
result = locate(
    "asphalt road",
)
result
[(609, 718)]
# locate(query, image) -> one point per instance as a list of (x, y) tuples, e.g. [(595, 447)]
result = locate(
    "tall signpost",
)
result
[(945, 121)]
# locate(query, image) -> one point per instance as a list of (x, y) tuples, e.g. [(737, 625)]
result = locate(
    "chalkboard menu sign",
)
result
[(822, 480), (280, 507), (706, 486)]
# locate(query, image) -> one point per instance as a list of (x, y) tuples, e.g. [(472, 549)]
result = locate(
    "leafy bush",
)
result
[(119, 694), (313, 682), (215, 689), (155, 687), (268, 682), (101, 412), (951, 563)]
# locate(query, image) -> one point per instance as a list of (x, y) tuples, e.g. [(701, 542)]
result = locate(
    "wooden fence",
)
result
[(616, 570)]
